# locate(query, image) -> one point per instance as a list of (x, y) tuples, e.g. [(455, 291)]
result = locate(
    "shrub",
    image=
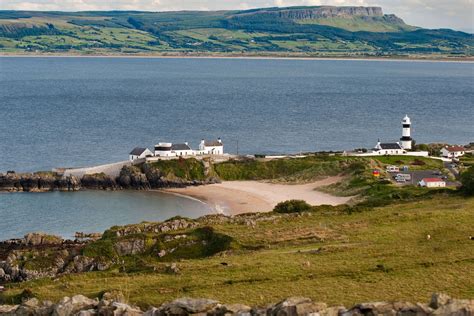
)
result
[(467, 180), (292, 206)]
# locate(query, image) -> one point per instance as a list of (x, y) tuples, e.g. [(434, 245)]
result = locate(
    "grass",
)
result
[(415, 163), (220, 33), (290, 169), (330, 256), (186, 169)]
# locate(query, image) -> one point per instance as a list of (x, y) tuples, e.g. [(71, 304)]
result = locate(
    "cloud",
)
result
[(457, 14)]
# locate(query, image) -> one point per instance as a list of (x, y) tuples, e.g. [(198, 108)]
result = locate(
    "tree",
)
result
[(467, 180), (292, 206)]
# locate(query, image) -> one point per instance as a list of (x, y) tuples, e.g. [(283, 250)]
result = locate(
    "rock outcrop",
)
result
[(39, 255), (37, 182), (131, 177), (114, 304)]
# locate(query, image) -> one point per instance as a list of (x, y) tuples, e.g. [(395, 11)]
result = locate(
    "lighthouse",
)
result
[(406, 140)]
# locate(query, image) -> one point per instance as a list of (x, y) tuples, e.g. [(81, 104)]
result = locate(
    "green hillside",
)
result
[(297, 31)]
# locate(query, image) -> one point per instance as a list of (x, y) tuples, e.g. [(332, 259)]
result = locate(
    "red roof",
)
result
[(455, 148), (432, 180)]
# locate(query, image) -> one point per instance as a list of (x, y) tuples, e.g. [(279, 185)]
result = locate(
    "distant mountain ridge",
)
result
[(299, 31)]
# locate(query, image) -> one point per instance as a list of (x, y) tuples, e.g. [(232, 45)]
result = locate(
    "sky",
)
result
[(455, 14)]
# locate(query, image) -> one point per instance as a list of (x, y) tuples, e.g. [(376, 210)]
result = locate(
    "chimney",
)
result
[(219, 140)]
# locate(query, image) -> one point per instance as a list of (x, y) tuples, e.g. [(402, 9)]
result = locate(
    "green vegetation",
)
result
[(292, 206), (186, 169), (255, 32), (414, 163), (328, 254), (467, 180), (289, 169)]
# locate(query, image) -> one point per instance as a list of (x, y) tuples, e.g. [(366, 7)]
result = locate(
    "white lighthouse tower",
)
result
[(406, 140)]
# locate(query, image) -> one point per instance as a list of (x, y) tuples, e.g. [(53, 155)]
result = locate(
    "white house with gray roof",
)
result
[(140, 153), (388, 149), (211, 147), (182, 150)]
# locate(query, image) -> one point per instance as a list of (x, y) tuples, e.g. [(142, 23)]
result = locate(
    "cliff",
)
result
[(319, 12)]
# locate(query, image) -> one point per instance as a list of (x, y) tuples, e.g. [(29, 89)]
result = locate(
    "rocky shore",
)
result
[(115, 304), (144, 178)]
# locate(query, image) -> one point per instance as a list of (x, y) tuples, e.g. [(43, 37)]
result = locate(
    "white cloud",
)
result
[(457, 14)]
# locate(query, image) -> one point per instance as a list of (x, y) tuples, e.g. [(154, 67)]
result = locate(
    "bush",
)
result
[(292, 206), (467, 180)]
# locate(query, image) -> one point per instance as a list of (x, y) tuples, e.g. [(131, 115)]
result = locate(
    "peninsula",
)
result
[(313, 31)]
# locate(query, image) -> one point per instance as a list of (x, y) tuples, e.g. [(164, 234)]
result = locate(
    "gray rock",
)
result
[(37, 239), (89, 312), (232, 309), (8, 309), (69, 306), (130, 246), (186, 306), (456, 307), (296, 306), (438, 300)]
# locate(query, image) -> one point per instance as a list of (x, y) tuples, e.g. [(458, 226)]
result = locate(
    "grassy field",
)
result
[(331, 256), (291, 169), (223, 33)]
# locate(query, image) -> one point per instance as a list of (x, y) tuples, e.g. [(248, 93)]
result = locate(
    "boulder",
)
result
[(455, 307), (186, 306), (33, 306), (232, 309), (438, 300), (296, 306), (37, 239), (69, 306), (130, 246), (8, 309)]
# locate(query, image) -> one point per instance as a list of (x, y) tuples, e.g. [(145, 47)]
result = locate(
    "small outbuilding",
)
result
[(453, 151), (140, 153), (432, 183)]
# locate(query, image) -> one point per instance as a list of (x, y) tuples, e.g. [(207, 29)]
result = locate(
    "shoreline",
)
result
[(246, 57), (239, 197)]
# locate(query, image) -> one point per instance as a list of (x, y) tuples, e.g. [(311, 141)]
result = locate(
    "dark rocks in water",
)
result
[(37, 182), (99, 181), (132, 178)]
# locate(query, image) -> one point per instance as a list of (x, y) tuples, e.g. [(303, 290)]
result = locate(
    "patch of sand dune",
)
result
[(236, 197)]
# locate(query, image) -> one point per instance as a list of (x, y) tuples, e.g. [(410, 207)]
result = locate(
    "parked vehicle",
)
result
[(404, 176), (393, 169)]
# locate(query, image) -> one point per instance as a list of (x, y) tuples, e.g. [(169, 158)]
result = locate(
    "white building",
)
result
[(207, 147), (432, 183), (182, 150), (453, 151), (140, 153), (164, 150), (388, 149), (406, 141)]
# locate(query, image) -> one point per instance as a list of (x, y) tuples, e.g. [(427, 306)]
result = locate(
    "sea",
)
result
[(84, 111)]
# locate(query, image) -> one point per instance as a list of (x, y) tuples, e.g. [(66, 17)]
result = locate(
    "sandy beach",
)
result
[(237, 197), (250, 57)]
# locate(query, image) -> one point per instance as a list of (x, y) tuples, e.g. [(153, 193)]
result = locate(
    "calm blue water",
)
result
[(88, 211), (85, 111)]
